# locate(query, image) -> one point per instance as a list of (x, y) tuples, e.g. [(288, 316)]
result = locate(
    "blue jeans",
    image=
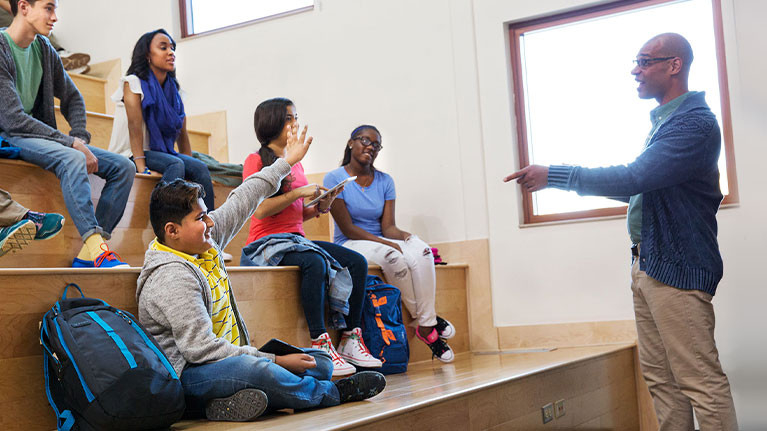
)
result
[(182, 166), (284, 389), (313, 278), (69, 167)]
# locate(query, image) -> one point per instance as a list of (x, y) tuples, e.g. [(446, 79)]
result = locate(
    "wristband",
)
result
[(139, 157), (321, 211)]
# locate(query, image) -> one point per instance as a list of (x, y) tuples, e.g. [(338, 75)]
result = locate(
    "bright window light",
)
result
[(581, 100), (209, 15)]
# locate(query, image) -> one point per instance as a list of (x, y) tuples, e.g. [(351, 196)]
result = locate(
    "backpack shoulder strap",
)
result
[(65, 420)]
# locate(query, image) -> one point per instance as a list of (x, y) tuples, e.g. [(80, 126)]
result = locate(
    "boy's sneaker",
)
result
[(48, 224), (244, 405), (438, 346), (340, 367), (361, 386), (352, 348), (16, 236), (444, 328), (107, 259)]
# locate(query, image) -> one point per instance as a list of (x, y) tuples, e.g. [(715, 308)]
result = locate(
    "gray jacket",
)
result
[(173, 295), (54, 83)]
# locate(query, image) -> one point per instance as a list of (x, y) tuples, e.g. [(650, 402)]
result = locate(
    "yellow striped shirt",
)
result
[(212, 265)]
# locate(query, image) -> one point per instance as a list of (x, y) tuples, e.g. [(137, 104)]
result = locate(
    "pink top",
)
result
[(289, 220)]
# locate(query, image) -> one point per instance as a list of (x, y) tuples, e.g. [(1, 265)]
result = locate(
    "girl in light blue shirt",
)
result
[(364, 222)]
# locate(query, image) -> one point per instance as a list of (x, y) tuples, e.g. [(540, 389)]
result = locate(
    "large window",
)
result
[(200, 16), (576, 101)]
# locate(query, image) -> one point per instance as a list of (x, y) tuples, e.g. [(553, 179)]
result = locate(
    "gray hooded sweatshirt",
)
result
[(54, 83), (173, 295)]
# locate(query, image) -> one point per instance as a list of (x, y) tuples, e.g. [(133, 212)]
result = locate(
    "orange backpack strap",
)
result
[(386, 334)]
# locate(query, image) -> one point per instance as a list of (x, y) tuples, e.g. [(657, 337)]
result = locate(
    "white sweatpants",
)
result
[(411, 271)]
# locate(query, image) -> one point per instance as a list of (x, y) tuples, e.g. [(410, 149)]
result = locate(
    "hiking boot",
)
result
[(244, 405), (16, 236), (438, 346), (444, 328), (48, 224), (361, 386), (352, 348), (340, 366)]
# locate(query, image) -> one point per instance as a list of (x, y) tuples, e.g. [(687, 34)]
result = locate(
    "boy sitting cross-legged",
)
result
[(186, 302)]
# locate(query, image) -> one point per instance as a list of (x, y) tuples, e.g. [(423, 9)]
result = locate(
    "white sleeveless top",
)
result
[(120, 141)]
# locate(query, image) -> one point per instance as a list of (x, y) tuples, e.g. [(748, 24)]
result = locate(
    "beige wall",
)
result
[(434, 75)]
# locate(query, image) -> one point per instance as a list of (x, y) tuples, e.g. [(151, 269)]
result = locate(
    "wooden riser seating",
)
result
[(100, 127), (94, 91), (483, 392), (97, 88), (40, 190), (268, 298)]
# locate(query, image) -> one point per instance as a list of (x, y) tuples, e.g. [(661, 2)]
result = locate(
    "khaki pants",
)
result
[(10, 211), (678, 355)]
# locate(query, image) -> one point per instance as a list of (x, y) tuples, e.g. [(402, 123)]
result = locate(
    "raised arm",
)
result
[(245, 199)]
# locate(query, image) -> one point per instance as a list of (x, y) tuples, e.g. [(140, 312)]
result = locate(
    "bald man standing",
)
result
[(673, 193)]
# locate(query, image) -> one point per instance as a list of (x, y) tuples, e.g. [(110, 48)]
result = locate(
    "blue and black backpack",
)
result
[(382, 327), (103, 371)]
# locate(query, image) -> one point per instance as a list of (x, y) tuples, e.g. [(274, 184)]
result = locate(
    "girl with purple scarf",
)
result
[(150, 118)]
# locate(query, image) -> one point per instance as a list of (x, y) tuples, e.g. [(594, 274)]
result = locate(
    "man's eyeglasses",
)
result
[(645, 62), (367, 142)]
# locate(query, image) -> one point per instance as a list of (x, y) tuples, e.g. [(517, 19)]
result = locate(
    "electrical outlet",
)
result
[(548, 413), (559, 409)]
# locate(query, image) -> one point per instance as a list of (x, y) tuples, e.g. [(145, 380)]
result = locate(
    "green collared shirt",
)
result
[(658, 116)]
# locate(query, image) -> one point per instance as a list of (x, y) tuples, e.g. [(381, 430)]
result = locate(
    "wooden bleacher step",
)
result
[(40, 190), (268, 299), (479, 392), (94, 92), (100, 127)]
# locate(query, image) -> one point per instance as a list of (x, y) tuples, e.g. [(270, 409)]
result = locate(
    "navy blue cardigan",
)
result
[(678, 176)]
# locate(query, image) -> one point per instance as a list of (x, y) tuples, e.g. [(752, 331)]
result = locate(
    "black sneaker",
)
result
[(438, 346), (360, 386), (244, 405), (444, 328)]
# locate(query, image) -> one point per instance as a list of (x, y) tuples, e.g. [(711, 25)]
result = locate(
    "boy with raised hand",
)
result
[(186, 302), (31, 75)]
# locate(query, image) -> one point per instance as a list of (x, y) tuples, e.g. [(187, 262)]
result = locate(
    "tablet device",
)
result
[(336, 187), (279, 348)]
